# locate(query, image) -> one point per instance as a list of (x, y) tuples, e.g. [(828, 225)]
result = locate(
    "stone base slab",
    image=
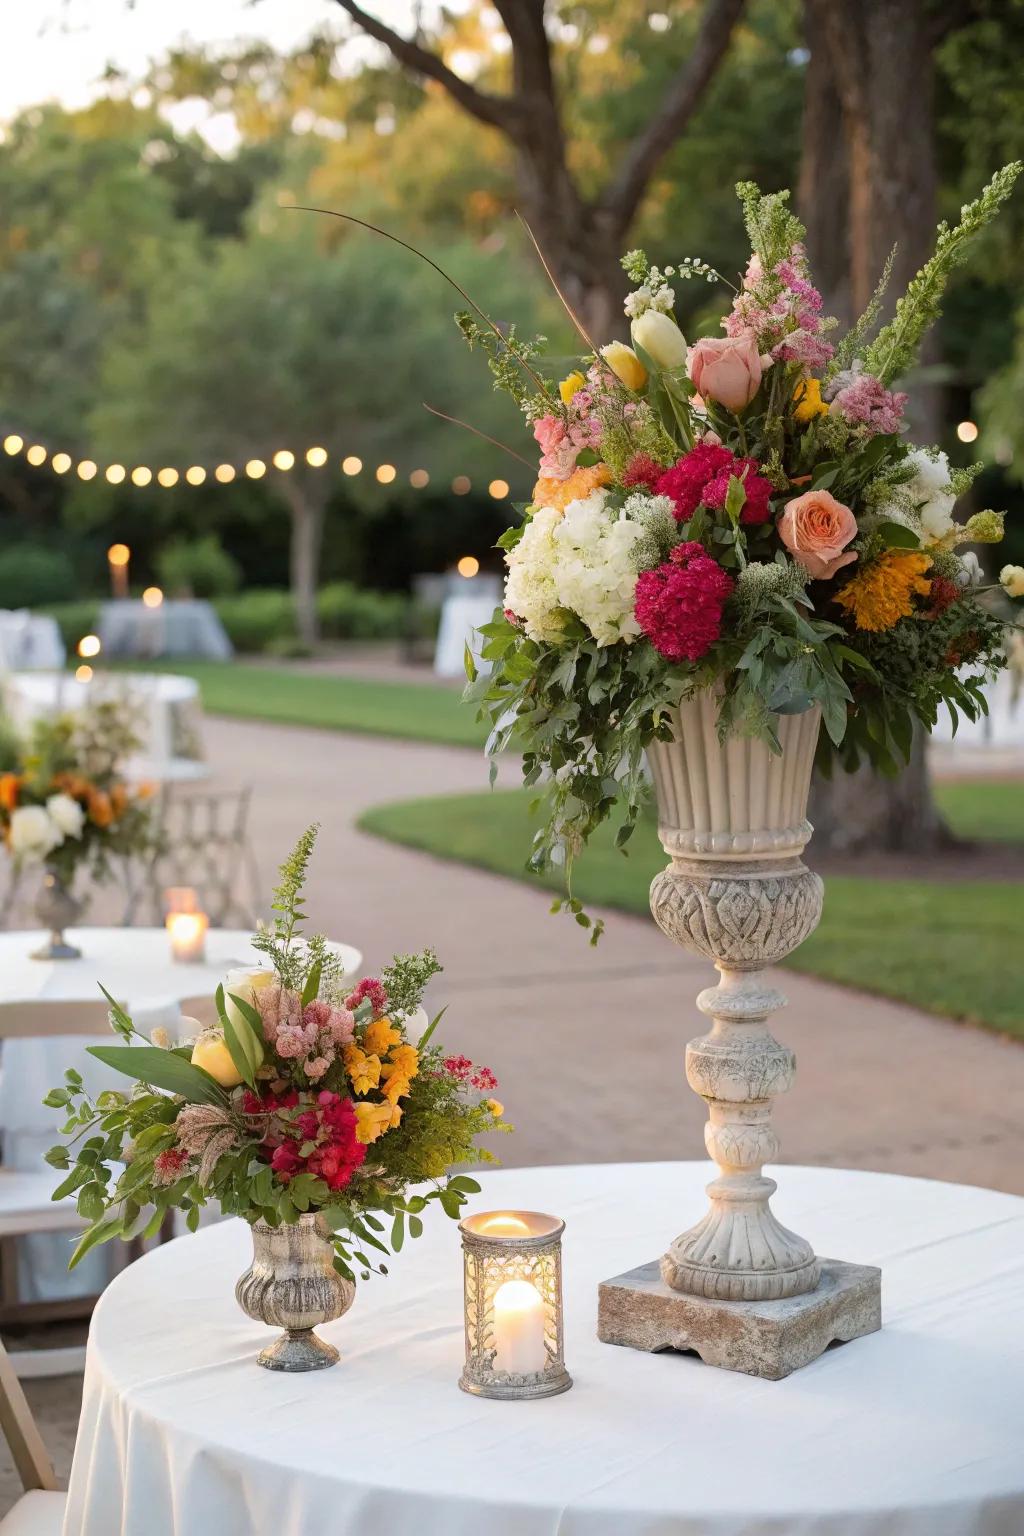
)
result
[(762, 1338)]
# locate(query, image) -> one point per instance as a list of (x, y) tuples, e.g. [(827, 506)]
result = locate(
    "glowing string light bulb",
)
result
[(167, 477), (13, 443), (36, 455), (195, 474), (283, 459), (316, 457), (141, 475)]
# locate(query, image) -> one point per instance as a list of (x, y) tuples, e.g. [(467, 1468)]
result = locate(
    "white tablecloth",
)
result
[(179, 627), (463, 611), (914, 1431), (29, 640), (135, 966)]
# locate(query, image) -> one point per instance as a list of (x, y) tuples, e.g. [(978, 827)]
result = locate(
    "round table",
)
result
[(913, 1431), (135, 966)]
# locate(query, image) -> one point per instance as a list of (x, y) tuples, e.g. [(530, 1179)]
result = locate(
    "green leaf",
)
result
[(415, 1227), (898, 536), (237, 1051), (469, 663), (464, 1184), (102, 1232), (435, 1021), (161, 1069), (398, 1232), (252, 1018), (312, 985), (122, 1020)]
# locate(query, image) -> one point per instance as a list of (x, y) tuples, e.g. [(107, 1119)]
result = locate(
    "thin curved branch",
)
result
[(498, 112), (457, 422), (622, 197)]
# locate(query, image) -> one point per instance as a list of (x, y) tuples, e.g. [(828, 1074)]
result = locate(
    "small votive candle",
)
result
[(187, 932), (181, 898), (513, 1305)]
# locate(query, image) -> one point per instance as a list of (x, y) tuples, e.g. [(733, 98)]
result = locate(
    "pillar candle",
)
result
[(519, 1328)]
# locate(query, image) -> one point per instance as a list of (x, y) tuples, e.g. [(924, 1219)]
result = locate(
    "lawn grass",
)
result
[(941, 947), (414, 711)]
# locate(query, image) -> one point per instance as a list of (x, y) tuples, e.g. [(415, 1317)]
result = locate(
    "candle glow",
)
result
[(519, 1328), (187, 933)]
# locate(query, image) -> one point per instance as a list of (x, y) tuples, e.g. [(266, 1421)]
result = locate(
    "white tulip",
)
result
[(33, 833), (244, 982), (67, 814), (660, 338)]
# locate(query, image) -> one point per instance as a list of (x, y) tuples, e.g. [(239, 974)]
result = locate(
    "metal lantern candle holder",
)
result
[(513, 1289)]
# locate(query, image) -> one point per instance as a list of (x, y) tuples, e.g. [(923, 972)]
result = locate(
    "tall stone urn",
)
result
[(732, 819)]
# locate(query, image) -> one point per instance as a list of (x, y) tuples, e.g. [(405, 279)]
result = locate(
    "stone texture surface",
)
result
[(762, 1338)]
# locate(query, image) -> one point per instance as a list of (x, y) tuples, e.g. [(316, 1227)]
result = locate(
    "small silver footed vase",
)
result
[(292, 1284), (56, 910)]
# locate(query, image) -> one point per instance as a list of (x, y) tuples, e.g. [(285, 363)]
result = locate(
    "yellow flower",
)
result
[(1011, 579), (210, 1053), (380, 1036), (395, 1086), (363, 1070), (625, 364), (808, 401), (495, 1106), (549, 492), (984, 528), (407, 1059), (570, 384), (882, 592), (372, 1120)]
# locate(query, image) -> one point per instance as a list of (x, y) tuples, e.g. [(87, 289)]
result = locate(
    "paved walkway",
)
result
[(588, 1044)]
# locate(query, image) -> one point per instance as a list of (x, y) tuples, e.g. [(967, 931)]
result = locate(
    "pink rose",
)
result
[(815, 528), (727, 370)]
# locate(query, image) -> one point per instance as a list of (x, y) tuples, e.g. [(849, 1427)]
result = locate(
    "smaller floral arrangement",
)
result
[(64, 799), (308, 1096)]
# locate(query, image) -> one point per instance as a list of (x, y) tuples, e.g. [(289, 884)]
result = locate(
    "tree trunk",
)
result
[(867, 182), (307, 513)]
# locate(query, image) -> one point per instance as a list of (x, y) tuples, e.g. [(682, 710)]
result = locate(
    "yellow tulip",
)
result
[(210, 1053), (570, 384), (625, 364)]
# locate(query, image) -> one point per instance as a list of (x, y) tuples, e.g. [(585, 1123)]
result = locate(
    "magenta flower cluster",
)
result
[(679, 604), (701, 477)]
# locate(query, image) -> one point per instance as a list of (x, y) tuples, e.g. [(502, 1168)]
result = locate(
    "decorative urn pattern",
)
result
[(292, 1284), (732, 818)]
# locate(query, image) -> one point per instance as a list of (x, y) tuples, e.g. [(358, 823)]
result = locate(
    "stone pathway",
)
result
[(588, 1044)]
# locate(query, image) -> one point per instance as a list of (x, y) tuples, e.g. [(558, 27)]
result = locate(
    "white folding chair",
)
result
[(40, 1510), (26, 1207)]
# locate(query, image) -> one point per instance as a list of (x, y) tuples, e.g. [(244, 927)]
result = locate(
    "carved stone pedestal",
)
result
[(731, 817), (762, 1338)]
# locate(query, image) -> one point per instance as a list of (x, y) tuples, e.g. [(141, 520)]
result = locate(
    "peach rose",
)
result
[(816, 528), (727, 370)]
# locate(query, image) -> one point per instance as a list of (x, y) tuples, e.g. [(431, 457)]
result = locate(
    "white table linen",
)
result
[(135, 966), (914, 1431)]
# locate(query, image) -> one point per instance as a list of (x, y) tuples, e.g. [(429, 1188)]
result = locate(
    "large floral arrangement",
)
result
[(64, 799), (307, 1096), (742, 514)]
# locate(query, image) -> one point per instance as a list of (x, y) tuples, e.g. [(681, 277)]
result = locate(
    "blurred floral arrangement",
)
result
[(306, 1097), (742, 514), (64, 800)]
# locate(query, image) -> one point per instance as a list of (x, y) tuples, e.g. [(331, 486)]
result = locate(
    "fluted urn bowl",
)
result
[(292, 1284)]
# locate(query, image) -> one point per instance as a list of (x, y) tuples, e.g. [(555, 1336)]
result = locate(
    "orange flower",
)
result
[(379, 1036), (10, 783), (118, 799), (407, 1059), (100, 810), (549, 492), (883, 591)]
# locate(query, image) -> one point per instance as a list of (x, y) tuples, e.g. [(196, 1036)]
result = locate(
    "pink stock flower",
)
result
[(679, 604), (865, 401), (276, 1007), (295, 1040), (816, 528), (315, 1067), (726, 369), (336, 1023)]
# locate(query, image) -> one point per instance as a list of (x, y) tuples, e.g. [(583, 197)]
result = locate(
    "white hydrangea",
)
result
[(970, 572), (530, 586), (932, 493), (595, 569)]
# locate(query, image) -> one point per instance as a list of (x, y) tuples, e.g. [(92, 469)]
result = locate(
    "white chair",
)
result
[(40, 1510), (26, 1207)]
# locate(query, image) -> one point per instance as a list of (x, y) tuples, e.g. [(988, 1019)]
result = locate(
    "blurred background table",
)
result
[(176, 627), (167, 713), (913, 1430)]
